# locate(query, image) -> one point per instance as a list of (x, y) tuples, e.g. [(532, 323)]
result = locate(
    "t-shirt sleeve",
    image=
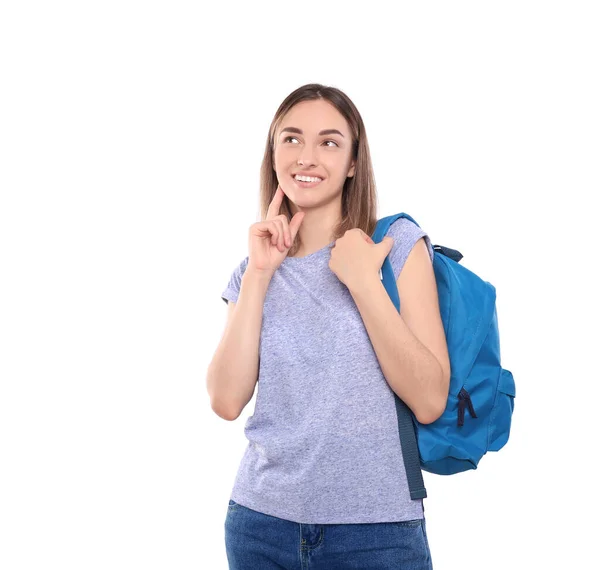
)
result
[(232, 290), (405, 234)]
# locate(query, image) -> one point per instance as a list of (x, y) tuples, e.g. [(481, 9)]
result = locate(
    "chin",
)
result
[(314, 201)]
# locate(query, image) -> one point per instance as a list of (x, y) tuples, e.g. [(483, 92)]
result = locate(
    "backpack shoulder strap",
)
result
[(383, 225), (406, 428), (387, 271)]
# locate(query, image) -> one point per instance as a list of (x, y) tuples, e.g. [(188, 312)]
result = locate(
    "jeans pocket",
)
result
[(232, 504)]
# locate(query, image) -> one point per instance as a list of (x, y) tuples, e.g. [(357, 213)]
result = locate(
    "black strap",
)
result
[(453, 254), (410, 450)]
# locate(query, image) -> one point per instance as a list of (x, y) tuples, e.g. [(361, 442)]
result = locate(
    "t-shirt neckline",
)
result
[(310, 255)]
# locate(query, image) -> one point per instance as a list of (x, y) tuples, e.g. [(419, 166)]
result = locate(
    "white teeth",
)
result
[(307, 178)]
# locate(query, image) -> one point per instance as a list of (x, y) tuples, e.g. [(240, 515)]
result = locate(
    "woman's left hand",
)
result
[(356, 259)]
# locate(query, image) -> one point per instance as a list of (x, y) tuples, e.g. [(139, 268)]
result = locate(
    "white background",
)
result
[(131, 137)]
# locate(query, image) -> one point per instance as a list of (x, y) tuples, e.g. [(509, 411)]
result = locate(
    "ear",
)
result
[(352, 170)]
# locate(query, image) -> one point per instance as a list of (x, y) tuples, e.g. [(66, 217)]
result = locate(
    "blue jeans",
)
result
[(254, 540)]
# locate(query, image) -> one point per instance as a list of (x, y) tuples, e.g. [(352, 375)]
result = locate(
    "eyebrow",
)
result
[(323, 132)]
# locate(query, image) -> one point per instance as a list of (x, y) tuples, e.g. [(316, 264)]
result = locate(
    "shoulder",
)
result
[(239, 270), (232, 290), (402, 226), (407, 235), (244, 264)]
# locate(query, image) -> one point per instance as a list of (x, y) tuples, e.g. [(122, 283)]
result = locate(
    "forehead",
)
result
[(313, 116)]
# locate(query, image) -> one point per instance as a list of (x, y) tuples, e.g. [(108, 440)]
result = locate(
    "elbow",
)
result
[(431, 411), (223, 412), (228, 417), (217, 403), (434, 407), (430, 415)]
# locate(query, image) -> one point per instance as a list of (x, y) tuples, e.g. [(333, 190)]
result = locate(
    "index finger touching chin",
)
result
[(275, 204)]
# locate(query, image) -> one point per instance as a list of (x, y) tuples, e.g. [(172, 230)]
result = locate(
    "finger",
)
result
[(386, 244), (295, 224), (280, 238), (264, 228), (275, 204), (287, 235), (274, 232), (268, 230), (366, 236)]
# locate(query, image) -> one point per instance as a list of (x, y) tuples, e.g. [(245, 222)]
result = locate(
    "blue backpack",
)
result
[(480, 402)]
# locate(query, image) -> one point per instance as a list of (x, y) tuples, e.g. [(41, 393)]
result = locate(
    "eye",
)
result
[(286, 139)]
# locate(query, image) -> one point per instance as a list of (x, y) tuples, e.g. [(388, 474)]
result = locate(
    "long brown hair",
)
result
[(359, 196)]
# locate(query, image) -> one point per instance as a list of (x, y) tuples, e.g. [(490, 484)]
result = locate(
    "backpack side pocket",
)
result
[(501, 416)]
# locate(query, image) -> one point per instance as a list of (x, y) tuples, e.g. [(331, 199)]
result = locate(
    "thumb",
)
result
[(295, 223), (386, 245)]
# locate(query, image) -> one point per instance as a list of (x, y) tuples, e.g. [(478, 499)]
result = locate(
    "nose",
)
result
[(305, 157)]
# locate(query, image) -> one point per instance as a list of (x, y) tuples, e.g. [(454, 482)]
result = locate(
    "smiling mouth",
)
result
[(306, 184)]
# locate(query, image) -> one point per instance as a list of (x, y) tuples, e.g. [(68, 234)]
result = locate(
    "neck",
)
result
[(316, 230)]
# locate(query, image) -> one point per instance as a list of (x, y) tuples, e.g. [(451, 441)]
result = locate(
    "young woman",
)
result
[(322, 482)]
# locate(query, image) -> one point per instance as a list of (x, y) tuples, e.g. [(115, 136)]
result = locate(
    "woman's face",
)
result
[(300, 146)]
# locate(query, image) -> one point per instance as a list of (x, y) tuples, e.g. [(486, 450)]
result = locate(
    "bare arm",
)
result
[(233, 371), (411, 345)]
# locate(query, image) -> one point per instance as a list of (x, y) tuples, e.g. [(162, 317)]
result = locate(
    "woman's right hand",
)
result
[(270, 240)]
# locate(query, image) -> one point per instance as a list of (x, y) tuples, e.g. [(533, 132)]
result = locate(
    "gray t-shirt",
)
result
[(323, 443)]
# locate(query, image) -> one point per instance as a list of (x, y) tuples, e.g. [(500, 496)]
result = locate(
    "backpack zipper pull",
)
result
[(464, 400)]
